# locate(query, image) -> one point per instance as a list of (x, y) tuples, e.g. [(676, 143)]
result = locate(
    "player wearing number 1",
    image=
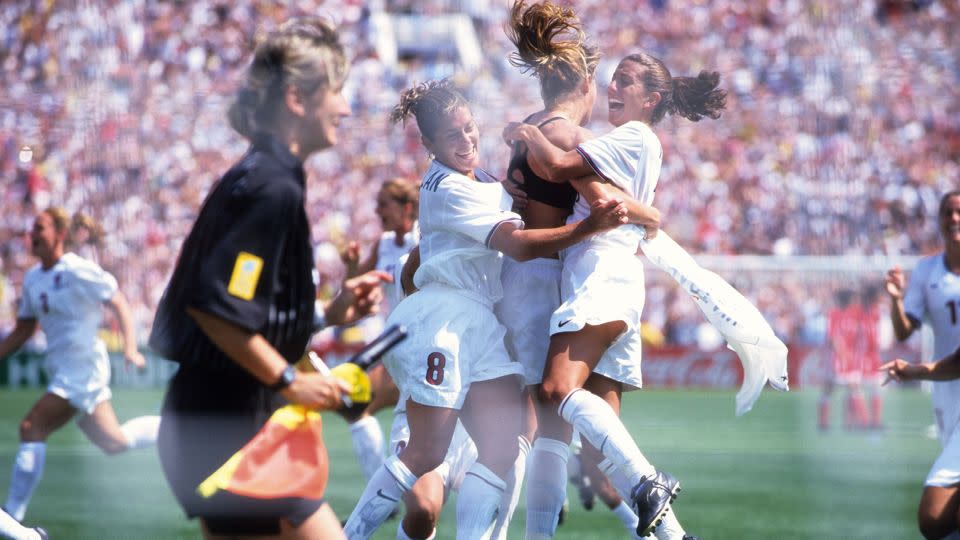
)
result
[(933, 296), (454, 365)]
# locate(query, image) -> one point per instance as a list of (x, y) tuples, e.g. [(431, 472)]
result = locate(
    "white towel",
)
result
[(763, 355)]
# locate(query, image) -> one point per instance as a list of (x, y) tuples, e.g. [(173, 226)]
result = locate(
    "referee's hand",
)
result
[(360, 296), (316, 391)]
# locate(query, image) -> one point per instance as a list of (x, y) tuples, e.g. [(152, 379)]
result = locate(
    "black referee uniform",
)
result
[(248, 260)]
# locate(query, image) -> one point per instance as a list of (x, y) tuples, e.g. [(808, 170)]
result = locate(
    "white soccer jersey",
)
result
[(388, 258), (933, 297), (629, 157), (458, 216), (67, 300)]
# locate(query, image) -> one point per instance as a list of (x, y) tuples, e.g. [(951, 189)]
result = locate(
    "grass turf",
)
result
[(769, 474)]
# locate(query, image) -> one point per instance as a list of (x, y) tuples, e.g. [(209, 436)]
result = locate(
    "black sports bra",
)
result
[(558, 195)]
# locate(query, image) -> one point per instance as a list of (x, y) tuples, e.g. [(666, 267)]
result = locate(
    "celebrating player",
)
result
[(933, 295), (597, 329), (64, 295), (397, 209), (455, 366)]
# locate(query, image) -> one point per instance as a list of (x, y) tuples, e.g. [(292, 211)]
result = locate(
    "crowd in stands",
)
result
[(842, 128)]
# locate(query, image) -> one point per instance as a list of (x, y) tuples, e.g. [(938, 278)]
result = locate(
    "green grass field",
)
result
[(769, 474)]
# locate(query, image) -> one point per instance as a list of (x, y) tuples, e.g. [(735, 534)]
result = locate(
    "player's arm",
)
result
[(351, 259), (528, 244), (593, 188), (547, 160), (118, 304), (903, 324), (945, 369), (18, 336), (358, 297), (254, 353), (409, 270)]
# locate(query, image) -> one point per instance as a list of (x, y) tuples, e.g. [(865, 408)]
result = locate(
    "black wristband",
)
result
[(287, 376)]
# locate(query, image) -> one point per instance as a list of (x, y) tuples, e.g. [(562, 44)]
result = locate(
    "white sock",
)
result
[(619, 480), (367, 440), (11, 528), (478, 502), (402, 534), (27, 471), (670, 528), (627, 517), (511, 496), (141, 431), (379, 498), (598, 422), (546, 487)]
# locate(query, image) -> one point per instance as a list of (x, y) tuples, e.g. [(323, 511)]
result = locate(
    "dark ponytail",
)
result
[(690, 97)]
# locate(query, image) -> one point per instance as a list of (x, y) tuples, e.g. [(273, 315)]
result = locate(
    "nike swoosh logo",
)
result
[(563, 323), (380, 494)]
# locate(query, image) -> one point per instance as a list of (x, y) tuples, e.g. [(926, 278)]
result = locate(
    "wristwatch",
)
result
[(287, 376)]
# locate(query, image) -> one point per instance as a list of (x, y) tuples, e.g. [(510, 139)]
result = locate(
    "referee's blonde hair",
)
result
[(303, 52), (429, 103)]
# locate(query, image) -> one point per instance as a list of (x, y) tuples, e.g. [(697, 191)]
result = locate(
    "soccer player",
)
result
[(455, 366), (602, 280), (64, 295), (845, 337), (933, 296), (397, 208), (239, 310), (552, 46)]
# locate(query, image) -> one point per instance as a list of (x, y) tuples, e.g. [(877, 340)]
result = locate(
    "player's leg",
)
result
[(321, 525), (431, 429), (104, 430), (365, 432), (47, 415), (826, 394), (423, 503), (490, 416), (937, 515)]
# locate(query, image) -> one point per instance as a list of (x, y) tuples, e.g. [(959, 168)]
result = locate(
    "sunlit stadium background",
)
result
[(842, 131)]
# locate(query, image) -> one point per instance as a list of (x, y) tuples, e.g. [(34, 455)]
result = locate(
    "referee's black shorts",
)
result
[(207, 417)]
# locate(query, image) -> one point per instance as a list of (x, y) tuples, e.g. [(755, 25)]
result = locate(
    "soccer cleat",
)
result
[(651, 499), (690, 537), (42, 532)]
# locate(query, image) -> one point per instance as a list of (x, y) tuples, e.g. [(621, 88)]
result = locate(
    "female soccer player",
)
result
[(397, 208), (602, 282), (454, 365), (551, 44), (64, 294), (239, 309), (933, 295)]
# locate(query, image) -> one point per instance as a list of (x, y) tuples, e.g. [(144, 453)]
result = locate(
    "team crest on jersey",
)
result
[(246, 275)]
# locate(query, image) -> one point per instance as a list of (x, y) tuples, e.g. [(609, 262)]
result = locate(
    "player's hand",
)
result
[(606, 214), (134, 358), (516, 131), (512, 186), (350, 254), (895, 283), (360, 296), (900, 370), (316, 391)]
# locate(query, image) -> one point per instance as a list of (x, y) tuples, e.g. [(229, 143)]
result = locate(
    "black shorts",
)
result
[(207, 417)]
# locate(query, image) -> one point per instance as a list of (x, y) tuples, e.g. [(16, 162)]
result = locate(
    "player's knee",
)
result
[(424, 458), (935, 526), (31, 432), (552, 392), (423, 513)]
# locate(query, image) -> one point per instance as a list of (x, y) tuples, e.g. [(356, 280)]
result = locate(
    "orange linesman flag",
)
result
[(287, 458)]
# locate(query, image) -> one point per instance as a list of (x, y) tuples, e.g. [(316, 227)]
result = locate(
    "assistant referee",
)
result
[(239, 308)]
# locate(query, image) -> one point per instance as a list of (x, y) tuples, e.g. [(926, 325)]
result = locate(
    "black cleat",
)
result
[(651, 499), (581, 481), (42, 532), (690, 537)]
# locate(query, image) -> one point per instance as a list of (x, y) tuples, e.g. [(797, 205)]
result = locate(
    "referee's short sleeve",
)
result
[(237, 277)]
